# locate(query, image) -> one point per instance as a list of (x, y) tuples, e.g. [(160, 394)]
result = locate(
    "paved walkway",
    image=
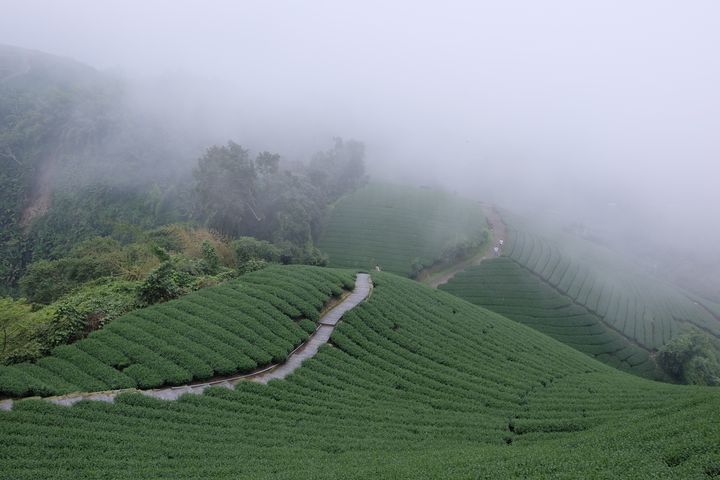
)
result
[(308, 349)]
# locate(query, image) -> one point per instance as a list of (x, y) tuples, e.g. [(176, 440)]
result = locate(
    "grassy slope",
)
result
[(392, 225), (418, 384), (505, 287), (230, 328)]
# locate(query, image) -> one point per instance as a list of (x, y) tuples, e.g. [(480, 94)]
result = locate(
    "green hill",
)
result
[(645, 310), (586, 296), (504, 286), (401, 229), (416, 383), (232, 328), (574, 290)]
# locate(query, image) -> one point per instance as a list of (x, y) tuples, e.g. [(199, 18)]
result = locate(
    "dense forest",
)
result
[(103, 210)]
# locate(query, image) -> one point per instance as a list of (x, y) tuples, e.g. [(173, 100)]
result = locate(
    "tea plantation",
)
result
[(503, 286), (232, 328), (401, 229), (646, 311), (416, 383)]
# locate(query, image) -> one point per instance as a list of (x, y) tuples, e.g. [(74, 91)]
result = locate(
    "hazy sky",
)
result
[(561, 104)]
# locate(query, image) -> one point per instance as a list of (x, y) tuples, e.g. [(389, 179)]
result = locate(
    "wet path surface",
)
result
[(326, 325), (322, 334)]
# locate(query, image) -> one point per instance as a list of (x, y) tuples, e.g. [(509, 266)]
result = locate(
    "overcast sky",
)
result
[(560, 104)]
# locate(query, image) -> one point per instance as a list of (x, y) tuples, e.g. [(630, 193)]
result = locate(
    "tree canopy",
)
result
[(691, 357), (238, 195)]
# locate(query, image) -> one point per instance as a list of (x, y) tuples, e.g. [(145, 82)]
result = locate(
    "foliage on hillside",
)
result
[(29, 129), (235, 327), (401, 229), (78, 160), (692, 357), (90, 187), (74, 162), (101, 279), (238, 195), (417, 384)]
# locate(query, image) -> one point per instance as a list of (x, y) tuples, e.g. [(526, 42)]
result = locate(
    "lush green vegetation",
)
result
[(234, 327), (692, 357), (74, 162), (79, 160), (92, 192), (401, 229), (101, 279), (416, 384), (129, 258), (503, 286), (237, 195)]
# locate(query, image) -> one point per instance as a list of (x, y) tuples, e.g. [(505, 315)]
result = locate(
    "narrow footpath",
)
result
[(434, 277), (309, 348)]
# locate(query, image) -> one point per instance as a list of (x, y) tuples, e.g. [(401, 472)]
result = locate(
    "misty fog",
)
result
[(603, 112)]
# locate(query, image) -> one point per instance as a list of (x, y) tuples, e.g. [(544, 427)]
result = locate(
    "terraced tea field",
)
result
[(645, 310), (416, 384), (233, 328), (503, 286), (393, 226)]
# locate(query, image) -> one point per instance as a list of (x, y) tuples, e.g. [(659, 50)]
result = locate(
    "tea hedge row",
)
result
[(643, 309), (503, 286), (232, 328), (416, 384)]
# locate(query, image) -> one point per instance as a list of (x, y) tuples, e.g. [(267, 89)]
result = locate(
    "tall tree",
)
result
[(340, 169), (225, 187)]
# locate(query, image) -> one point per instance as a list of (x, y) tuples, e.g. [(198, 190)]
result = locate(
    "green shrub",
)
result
[(210, 257), (691, 357), (249, 248), (47, 280), (164, 283), (307, 325)]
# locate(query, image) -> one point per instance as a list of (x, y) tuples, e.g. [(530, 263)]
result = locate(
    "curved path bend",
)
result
[(498, 232), (308, 349)]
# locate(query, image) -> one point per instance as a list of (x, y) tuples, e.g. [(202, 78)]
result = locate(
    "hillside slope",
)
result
[(505, 287), (401, 229), (232, 328), (76, 159), (586, 296), (417, 384), (645, 310)]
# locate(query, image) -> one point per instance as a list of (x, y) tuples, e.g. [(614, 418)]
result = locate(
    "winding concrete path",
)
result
[(308, 349)]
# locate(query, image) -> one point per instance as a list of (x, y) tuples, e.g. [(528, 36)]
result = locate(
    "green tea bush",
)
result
[(231, 328)]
